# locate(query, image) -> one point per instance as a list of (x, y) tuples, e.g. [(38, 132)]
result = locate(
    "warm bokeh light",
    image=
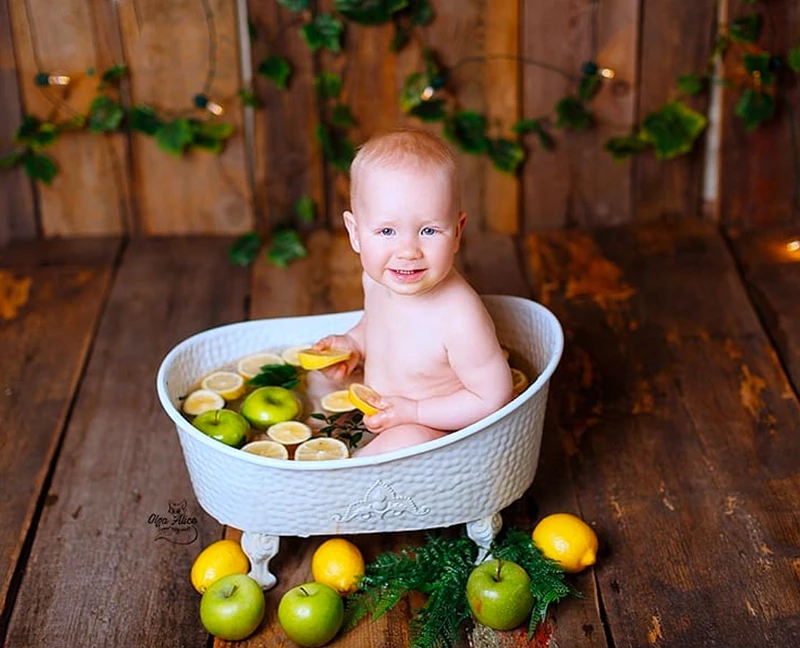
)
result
[(793, 246), (427, 93), (607, 73)]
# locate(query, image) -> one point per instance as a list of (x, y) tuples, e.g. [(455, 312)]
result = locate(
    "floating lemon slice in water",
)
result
[(291, 355), (519, 382), (289, 432), (202, 400), (312, 359), (364, 398), (250, 366), (227, 384), (266, 448), (321, 449), (338, 401)]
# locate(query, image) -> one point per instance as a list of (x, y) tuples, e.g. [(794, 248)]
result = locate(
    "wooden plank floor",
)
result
[(672, 428)]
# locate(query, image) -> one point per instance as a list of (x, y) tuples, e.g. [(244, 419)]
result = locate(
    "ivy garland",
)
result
[(668, 132)]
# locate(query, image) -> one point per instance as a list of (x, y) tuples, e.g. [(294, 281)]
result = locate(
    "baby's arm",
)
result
[(477, 359), (352, 341)]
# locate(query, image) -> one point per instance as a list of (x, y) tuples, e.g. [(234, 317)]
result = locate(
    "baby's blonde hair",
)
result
[(410, 149)]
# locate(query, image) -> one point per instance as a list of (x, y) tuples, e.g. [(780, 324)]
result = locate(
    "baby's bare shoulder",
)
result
[(463, 307)]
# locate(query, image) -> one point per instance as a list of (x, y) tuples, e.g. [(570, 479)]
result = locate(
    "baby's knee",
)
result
[(399, 437)]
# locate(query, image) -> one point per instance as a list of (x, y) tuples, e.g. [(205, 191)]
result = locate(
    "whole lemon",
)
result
[(566, 539), (218, 559), (338, 563)]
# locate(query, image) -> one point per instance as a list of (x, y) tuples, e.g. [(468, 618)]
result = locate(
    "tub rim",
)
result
[(184, 426)]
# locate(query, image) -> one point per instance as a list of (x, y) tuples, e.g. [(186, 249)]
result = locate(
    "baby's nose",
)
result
[(409, 249)]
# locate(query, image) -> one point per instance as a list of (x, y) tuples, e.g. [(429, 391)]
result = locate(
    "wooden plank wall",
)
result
[(123, 183)]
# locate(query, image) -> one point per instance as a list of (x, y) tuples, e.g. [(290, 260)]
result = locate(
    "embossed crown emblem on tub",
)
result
[(380, 500)]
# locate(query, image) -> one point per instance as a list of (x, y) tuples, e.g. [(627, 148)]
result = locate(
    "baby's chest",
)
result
[(402, 347)]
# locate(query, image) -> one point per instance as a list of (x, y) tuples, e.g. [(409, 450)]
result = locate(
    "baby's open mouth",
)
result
[(407, 274)]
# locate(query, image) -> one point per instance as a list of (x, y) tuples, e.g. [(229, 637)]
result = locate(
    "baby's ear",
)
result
[(352, 231), (462, 221)]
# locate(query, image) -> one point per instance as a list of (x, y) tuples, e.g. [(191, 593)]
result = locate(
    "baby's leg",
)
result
[(398, 437)]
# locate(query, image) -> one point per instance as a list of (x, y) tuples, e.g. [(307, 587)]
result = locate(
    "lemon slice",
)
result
[(337, 401), (269, 449), (312, 359), (202, 400), (291, 355), (321, 449), (519, 382), (289, 432), (227, 384), (364, 398), (250, 366)]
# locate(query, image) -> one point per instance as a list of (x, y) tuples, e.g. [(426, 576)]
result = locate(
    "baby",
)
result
[(428, 345)]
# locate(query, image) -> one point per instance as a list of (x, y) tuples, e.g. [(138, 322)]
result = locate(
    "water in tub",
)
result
[(311, 391)]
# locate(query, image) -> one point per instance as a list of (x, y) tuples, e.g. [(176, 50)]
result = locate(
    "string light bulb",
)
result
[(45, 79), (793, 246), (427, 93), (607, 73), (202, 101)]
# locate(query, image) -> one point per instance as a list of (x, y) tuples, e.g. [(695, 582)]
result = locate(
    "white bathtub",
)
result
[(466, 477)]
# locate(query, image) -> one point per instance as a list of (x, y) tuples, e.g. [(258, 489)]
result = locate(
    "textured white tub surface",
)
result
[(468, 475)]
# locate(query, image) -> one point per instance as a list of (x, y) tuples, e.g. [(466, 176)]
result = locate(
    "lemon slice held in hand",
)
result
[(312, 359), (267, 448), (289, 432), (250, 366), (321, 449), (291, 355), (364, 398), (227, 384), (202, 400), (337, 401)]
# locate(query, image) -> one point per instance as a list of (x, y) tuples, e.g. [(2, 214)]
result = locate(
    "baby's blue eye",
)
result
[(387, 231), (428, 231)]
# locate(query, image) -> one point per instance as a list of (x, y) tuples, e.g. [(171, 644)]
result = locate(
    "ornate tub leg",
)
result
[(260, 549), (482, 532)]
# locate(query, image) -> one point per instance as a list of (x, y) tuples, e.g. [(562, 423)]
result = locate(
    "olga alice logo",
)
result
[(177, 526)]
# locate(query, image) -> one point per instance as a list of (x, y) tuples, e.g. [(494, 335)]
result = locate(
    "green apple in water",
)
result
[(224, 425), (232, 607), (311, 614), (499, 594), (269, 405)]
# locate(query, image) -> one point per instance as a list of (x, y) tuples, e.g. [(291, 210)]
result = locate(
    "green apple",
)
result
[(269, 405), (224, 425), (311, 614), (232, 607), (499, 594)]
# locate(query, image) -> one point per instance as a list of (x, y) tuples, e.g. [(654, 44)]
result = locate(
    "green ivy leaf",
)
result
[(244, 249), (285, 247), (692, 85), (325, 31), (421, 11), (210, 135), (589, 86), (40, 167), (114, 73), (468, 131), (755, 107), (369, 12), (327, 85), (249, 98), (12, 159), (143, 119), (624, 147), (35, 133), (526, 126), (573, 115), (673, 130), (173, 137), (341, 117), (337, 148), (306, 209), (760, 63), (506, 155), (75, 123), (294, 5), (746, 29), (411, 94), (432, 110), (105, 115), (276, 68), (794, 58)]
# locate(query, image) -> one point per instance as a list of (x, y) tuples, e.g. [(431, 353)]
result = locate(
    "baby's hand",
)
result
[(394, 410), (342, 369)]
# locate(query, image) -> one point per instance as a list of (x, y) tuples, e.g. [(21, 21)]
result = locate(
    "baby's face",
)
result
[(406, 228)]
